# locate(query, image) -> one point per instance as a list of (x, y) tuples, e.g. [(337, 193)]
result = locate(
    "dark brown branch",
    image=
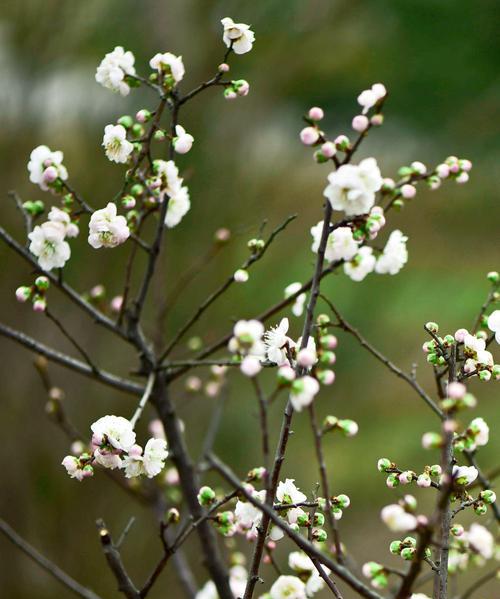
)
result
[(46, 564)]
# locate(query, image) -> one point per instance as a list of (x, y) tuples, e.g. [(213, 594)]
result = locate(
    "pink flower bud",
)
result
[(377, 120), (96, 440), (223, 67), (193, 383), (316, 113), (222, 235), (443, 171), (327, 377), (456, 390), (243, 89), (172, 476), (360, 123), (250, 366), (116, 303), (135, 451), (142, 116), (229, 94), (49, 175), (271, 545), (286, 373), (460, 335), (309, 136), (328, 149), (306, 357), (23, 294), (241, 276), (455, 168), (266, 559), (39, 305), (462, 177), (466, 165), (422, 520), (408, 191), (424, 481), (155, 427)]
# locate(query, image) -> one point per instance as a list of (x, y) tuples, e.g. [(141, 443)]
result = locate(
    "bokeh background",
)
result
[(439, 60)]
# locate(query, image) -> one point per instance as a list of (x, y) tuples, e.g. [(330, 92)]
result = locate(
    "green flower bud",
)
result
[(159, 135), (384, 464), (342, 501), (371, 569), (395, 547), (405, 171), (68, 200), (322, 320), (319, 157), (432, 327), (488, 496), (206, 496), (126, 121), (410, 542), (42, 283), (137, 130), (318, 534), (256, 474), (407, 553), (194, 343), (485, 375), (303, 520), (173, 516), (398, 204), (480, 509), (457, 530), (432, 358), (137, 190), (319, 519), (493, 277), (380, 581), (330, 422)]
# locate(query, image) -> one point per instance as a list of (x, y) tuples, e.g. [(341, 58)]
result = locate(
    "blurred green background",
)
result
[(439, 61)]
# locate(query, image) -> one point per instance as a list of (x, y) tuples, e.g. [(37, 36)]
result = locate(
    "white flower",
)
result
[(287, 492), (474, 344), (106, 229), (115, 430), (299, 562), (481, 432), (48, 245), (481, 540), (300, 300), (238, 577), (56, 215), (73, 467), (361, 265), (178, 206), (294, 514), (237, 35), (133, 464), (251, 366), (107, 459), (303, 392), (247, 338), (494, 324), (116, 144), (394, 256), (208, 591), (41, 159), (168, 173), (170, 64), (419, 596), (288, 587), (369, 97), (315, 583), (155, 454), (464, 475), (397, 519), (275, 340), (183, 141), (340, 245), (352, 188), (113, 68), (247, 515)]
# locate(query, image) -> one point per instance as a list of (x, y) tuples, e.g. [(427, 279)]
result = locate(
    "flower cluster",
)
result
[(113, 446), (46, 168), (107, 228), (113, 70), (37, 293)]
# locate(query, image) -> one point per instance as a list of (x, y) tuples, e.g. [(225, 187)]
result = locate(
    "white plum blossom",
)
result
[(178, 206), (464, 475), (361, 265), (494, 324), (56, 215), (481, 540), (114, 430), (287, 492), (155, 454), (132, 463), (237, 582), (303, 392), (300, 562), (42, 159), (49, 246), (397, 519), (238, 36), (183, 141), (394, 255), (419, 596), (315, 583), (352, 188), (168, 173), (170, 64), (276, 340), (481, 432), (247, 338), (208, 591), (340, 245), (288, 587), (74, 469), (247, 515), (116, 144), (369, 97), (107, 229), (251, 366), (473, 344), (108, 459), (300, 300), (113, 69)]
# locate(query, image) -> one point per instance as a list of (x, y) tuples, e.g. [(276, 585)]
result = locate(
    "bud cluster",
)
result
[(37, 293)]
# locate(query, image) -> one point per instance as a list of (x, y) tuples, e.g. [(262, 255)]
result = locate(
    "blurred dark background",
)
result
[(439, 61)]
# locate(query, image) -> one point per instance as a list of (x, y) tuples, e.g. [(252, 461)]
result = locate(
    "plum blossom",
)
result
[(247, 515), (247, 338), (464, 475), (494, 324), (287, 492), (352, 188), (361, 265), (480, 431), (369, 97), (303, 392), (56, 215), (155, 454), (183, 141), (237, 36), (251, 366), (170, 64), (168, 174), (300, 562), (237, 582), (300, 300), (107, 229), (115, 431), (397, 519), (481, 540), (178, 206), (46, 166), (288, 587), (116, 144), (76, 469), (133, 462), (113, 69), (49, 246), (340, 245), (394, 255), (108, 459), (276, 340)]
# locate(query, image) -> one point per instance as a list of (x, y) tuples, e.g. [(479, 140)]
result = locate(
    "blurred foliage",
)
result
[(438, 58)]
